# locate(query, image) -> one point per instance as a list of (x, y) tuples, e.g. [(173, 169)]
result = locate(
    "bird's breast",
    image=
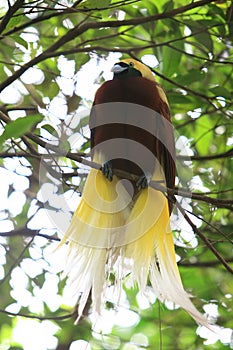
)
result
[(125, 124)]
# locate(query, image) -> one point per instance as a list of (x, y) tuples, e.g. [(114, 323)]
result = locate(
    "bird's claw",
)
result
[(143, 181), (107, 170)]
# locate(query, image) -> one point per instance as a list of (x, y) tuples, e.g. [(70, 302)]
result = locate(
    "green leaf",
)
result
[(50, 129), (14, 22), (221, 91), (72, 103), (20, 40), (178, 98), (82, 59), (152, 8), (192, 76), (19, 127), (97, 4), (53, 87), (206, 40), (171, 58), (202, 36)]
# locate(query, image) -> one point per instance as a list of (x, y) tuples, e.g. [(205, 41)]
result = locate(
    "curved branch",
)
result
[(203, 238), (41, 318), (211, 263), (16, 262), (12, 9), (66, 11), (226, 154), (26, 232), (206, 58)]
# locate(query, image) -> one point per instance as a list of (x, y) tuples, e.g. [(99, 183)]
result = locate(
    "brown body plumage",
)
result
[(144, 92)]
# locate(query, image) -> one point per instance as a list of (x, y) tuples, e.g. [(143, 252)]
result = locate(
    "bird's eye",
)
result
[(131, 64)]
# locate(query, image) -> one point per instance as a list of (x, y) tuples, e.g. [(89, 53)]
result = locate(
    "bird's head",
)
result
[(132, 68)]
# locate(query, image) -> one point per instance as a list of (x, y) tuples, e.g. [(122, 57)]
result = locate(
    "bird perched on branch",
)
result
[(121, 225)]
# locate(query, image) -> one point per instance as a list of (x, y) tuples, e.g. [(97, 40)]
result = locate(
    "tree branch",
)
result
[(203, 238), (80, 29), (67, 11), (16, 262), (41, 318), (227, 154), (12, 9), (211, 263), (26, 232)]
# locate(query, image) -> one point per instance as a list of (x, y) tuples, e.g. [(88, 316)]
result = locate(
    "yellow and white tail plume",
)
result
[(153, 254), (109, 231), (93, 246)]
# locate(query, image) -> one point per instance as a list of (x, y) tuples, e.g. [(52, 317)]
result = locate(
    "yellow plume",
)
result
[(108, 235)]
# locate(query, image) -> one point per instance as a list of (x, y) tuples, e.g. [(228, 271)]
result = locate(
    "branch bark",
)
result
[(211, 263), (37, 317), (204, 239), (12, 9), (26, 232), (227, 154), (81, 28)]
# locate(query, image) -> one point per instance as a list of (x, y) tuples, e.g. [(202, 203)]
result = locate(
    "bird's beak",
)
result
[(117, 68)]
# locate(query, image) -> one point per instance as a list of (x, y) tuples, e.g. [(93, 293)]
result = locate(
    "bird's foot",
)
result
[(143, 181), (107, 170)]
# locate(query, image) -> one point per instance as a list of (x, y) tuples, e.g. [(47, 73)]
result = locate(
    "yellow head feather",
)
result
[(144, 70)]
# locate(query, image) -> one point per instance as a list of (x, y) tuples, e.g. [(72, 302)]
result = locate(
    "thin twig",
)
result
[(12, 9), (204, 239), (15, 263), (26, 232), (211, 263), (41, 318), (80, 29)]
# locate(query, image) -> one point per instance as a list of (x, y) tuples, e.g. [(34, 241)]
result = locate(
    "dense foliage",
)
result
[(53, 56)]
